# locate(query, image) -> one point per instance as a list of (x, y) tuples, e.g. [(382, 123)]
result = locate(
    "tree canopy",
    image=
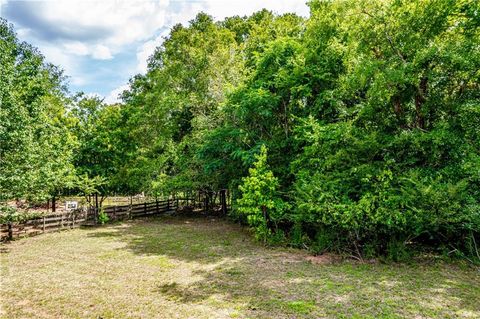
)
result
[(36, 144)]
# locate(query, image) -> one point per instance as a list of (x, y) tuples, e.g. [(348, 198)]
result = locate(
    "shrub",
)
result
[(103, 217), (260, 201), (9, 214), (381, 193)]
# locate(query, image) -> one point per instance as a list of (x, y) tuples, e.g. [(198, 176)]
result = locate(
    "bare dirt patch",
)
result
[(324, 259)]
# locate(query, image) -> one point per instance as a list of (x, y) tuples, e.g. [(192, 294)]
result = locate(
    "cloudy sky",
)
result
[(101, 44)]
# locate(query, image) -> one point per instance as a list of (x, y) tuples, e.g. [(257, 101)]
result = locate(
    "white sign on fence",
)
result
[(71, 205)]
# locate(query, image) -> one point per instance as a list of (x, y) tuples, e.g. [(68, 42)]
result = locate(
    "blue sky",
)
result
[(101, 44)]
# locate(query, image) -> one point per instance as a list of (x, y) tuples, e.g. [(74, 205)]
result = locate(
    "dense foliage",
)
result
[(370, 111), (49, 140), (35, 142), (260, 202)]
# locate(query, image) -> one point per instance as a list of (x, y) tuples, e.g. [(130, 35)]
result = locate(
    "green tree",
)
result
[(35, 142), (104, 147), (398, 163), (260, 201)]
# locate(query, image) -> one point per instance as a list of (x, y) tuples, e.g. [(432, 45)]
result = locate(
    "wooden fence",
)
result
[(138, 210), (40, 225), (70, 220)]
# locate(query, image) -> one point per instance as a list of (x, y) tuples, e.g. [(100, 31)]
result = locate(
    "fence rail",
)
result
[(205, 201), (71, 220)]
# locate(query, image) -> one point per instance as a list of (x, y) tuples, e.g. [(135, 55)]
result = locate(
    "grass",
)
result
[(206, 268)]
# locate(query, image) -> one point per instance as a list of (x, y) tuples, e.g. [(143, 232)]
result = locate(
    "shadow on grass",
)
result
[(279, 283), (202, 240)]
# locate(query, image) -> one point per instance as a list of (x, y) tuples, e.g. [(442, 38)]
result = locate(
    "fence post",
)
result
[(93, 213), (129, 214), (10, 231), (97, 207), (145, 207), (43, 226), (207, 202), (156, 203), (223, 200), (61, 221)]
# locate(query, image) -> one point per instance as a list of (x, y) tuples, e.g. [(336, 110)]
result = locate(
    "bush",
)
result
[(103, 217), (381, 193), (260, 202), (9, 214)]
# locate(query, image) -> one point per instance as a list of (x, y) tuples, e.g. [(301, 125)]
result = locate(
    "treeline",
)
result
[(355, 130), (52, 142), (35, 140)]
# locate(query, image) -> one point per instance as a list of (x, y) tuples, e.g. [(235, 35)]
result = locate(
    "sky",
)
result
[(101, 44)]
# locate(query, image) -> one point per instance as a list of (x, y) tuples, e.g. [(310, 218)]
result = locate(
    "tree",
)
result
[(260, 201), (104, 145), (392, 166), (36, 146)]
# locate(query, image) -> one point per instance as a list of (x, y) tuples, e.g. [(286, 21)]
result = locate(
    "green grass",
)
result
[(205, 268)]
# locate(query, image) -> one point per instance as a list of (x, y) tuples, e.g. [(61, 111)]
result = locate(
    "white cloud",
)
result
[(68, 62), (144, 52), (188, 10), (76, 48), (100, 29), (57, 55), (101, 52), (111, 24), (2, 3), (98, 52), (113, 96), (220, 9), (147, 49), (23, 32), (71, 33)]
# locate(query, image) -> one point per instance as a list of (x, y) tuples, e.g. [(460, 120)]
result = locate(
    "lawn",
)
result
[(206, 268)]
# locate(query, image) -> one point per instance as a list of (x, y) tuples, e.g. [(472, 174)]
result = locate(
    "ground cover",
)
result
[(172, 267)]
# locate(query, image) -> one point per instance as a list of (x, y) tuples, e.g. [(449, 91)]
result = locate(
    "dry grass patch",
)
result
[(206, 268)]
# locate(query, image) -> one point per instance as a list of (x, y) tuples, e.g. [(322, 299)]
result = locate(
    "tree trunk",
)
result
[(223, 199), (10, 231), (397, 107), (96, 208), (419, 101), (265, 217)]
